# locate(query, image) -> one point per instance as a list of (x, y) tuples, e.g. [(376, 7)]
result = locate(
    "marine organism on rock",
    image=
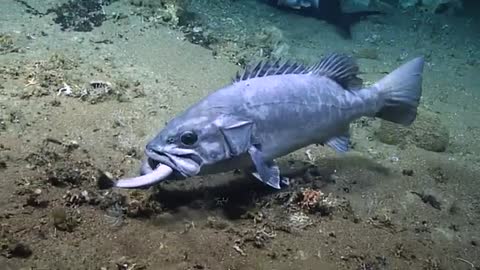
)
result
[(80, 15)]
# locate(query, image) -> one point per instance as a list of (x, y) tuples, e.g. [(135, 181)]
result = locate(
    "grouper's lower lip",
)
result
[(155, 158)]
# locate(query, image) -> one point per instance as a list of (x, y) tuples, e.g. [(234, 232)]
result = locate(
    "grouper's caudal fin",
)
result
[(401, 91)]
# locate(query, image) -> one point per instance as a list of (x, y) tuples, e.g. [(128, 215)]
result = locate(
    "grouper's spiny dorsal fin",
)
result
[(338, 67)]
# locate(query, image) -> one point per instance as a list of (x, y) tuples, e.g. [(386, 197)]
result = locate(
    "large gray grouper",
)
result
[(271, 110)]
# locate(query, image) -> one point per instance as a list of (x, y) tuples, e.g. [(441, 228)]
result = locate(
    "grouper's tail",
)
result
[(401, 91)]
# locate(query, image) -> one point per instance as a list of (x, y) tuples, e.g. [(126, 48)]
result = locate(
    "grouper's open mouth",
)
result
[(186, 164), (159, 166)]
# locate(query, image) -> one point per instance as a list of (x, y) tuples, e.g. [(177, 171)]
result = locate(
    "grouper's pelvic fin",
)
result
[(339, 67), (401, 91), (341, 144)]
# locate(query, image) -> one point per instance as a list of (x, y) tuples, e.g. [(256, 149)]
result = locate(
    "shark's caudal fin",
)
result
[(401, 91)]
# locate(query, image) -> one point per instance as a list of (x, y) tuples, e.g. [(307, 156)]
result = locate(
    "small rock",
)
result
[(217, 224), (105, 180), (124, 263), (429, 199), (62, 220), (138, 205), (75, 198), (21, 250), (3, 165), (34, 198), (367, 53)]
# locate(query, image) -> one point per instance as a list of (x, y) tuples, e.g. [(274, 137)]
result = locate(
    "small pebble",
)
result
[(21, 250)]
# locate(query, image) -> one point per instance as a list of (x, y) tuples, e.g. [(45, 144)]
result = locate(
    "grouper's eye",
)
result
[(189, 138)]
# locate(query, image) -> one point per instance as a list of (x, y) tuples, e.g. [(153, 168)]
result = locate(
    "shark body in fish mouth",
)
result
[(271, 110)]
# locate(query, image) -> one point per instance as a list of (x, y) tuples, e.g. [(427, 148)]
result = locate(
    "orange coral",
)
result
[(310, 198)]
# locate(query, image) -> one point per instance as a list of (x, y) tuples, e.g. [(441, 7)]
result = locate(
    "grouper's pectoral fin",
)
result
[(239, 139), (237, 134), (267, 171)]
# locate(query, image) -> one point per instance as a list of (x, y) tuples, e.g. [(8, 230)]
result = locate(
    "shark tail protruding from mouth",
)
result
[(160, 173)]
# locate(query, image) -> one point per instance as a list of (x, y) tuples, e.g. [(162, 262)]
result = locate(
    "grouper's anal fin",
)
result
[(341, 142)]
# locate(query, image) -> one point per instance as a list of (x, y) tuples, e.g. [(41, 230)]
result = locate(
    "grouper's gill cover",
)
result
[(272, 109)]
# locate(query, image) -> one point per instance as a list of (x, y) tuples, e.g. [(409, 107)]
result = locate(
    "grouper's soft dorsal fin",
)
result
[(341, 68), (338, 67)]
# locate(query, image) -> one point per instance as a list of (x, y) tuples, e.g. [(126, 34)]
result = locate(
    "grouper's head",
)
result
[(185, 145)]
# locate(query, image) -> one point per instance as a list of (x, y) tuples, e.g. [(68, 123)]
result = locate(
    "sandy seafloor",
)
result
[(53, 147)]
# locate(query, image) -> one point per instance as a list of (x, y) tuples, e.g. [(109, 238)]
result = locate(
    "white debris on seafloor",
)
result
[(309, 155), (299, 220), (394, 158), (103, 85), (65, 90), (92, 88), (96, 88), (238, 249)]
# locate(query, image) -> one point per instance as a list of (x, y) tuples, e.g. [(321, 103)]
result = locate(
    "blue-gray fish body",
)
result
[(274, 109), (289, 111)]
